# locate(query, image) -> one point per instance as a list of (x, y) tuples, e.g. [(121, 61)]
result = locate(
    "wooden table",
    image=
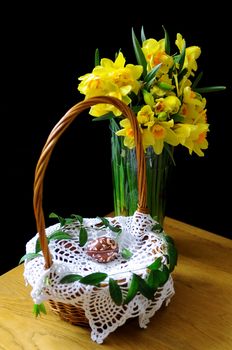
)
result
[(199, 316)]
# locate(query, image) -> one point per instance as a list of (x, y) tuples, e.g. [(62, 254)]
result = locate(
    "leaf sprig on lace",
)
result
[(57, 235), (38, 309), (157, 277), (62, 234)]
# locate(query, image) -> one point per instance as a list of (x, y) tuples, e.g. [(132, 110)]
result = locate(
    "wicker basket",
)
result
[(154, 243)]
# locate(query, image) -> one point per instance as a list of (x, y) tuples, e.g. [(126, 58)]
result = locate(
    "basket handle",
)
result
[(55, 134)]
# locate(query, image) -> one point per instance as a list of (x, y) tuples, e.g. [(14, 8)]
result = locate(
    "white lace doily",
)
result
[(104, 316)]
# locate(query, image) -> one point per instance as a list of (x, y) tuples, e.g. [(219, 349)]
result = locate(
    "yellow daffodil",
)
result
[(154, 52), (146, 116), (92, 85), (165, 83), (193, 114), (124, 77), (193, 107), (127, 132), (168, 109), (169, 104), (191, 97), (102, 108), (163, 86), (159, 133), (192, 53), (182, 132), (197, 139), (111, 79)]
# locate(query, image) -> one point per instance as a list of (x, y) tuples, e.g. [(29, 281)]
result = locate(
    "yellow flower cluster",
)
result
[(161, 89)]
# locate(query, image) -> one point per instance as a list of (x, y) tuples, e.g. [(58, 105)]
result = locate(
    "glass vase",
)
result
[(124, 175)]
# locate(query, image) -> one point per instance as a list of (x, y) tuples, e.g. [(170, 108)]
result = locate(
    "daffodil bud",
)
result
[(172, 104), (148, 98), (165, 86), (162, 116)]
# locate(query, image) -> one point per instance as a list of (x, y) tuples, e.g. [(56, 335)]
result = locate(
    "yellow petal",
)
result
[(120, 61), (171, 137), (158, 146)]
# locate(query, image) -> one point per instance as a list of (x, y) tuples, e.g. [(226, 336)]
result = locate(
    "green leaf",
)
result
[(176, 59), (104, 221), (78, 218), (209, 89), (182, 57), (83, 236), (182, 74), (143, 36), (156, 264), (139, 53), (165, 274), (37, 245), (172, 252), (94, 278), (55, 235), (126, 253), (153, 279), (173, 256), (151, 75), (115, 229), (157, 227), (104, 117), (178, 118), (145, 289), (134, 98), (114, 127), (133, 289), (158, 278), (115, 291), (136, 109), (38, 309), (197, 80), (169, 239), (29, 256), (60, 218), (111, 227), (97, 58), (68, 221), (170, 153), (54, 215), (167, 41), (70, 278), (59, 235)]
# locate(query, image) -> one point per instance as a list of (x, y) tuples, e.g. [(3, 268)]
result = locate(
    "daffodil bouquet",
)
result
[(163, 90)]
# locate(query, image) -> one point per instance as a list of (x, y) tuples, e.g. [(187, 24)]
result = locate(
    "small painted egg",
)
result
[(103, 249)]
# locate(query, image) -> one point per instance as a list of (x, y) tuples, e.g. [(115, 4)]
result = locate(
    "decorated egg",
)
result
[(102, 249)]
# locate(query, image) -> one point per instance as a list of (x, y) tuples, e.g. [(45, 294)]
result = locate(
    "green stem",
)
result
[(124, 171), (131, 181), (118, 170)]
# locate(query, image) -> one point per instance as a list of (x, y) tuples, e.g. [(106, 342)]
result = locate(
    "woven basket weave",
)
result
[(67, 311)]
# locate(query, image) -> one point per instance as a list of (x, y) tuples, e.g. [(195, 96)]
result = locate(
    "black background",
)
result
[(44, 49)]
